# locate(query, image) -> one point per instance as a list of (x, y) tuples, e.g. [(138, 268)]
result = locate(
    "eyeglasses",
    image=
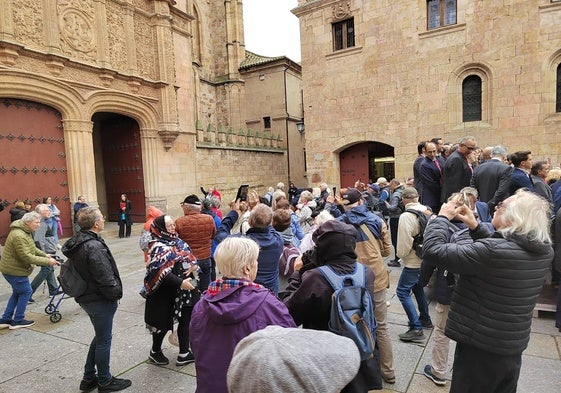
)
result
[(470, 148)]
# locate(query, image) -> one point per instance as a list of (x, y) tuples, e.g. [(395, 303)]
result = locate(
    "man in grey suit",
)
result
[(492, 178), (538, 174)]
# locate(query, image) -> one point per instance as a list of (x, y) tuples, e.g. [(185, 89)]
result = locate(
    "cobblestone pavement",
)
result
[(49, 357)]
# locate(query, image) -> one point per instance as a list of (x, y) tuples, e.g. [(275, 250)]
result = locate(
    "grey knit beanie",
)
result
[(277, 359)]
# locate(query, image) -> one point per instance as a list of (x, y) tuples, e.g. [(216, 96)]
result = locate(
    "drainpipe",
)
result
[(286, 125)]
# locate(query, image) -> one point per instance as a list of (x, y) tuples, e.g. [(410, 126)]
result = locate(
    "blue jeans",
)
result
[(409, 282), (204, 275), (21, 292), (46, 273), (101, 314)]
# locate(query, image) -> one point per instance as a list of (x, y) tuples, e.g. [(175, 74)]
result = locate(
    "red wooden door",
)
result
[(32, 159), (353, 163), (122, 162)]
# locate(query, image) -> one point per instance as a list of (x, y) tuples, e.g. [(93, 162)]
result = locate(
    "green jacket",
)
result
[(20, 253)]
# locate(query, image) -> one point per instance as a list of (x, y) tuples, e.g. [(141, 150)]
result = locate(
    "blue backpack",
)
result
[(352, 309)]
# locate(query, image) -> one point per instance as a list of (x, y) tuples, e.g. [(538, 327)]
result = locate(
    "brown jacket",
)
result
[(197, 230)]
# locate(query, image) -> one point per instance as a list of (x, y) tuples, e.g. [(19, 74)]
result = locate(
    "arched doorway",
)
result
[(119, 167), (32, 159), (366, 161)]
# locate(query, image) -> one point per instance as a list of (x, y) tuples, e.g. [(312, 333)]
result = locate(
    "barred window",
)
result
[(558, 96), (344, 34), (471, 98), (441, 13)]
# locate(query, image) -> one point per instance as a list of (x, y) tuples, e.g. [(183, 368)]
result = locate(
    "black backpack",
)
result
[(71, 280), (423, 219)]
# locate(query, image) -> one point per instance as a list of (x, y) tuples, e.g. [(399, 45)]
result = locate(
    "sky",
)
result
[(270, 28)]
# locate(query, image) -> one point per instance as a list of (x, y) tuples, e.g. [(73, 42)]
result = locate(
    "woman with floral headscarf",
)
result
[(171, 289)]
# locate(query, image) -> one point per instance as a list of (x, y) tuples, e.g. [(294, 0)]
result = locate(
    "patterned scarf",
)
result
[(165, 251), (226, 283)]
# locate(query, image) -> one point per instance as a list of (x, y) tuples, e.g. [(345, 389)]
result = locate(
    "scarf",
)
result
[(226, 283), (165, 251)]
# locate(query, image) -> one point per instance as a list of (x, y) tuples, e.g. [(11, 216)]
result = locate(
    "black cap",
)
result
[(192, 200)]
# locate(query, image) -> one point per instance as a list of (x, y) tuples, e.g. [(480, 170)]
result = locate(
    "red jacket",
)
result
[(197, 230)]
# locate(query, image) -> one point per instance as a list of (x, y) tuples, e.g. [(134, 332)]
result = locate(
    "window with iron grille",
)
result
[(441, 13), (471, 98), (344, 34), (558, 96)]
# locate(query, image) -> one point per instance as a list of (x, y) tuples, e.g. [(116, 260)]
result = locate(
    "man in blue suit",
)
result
[(431, 177), (520, 177)]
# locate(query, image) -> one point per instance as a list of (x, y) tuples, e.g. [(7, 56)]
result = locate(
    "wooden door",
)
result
[(32, 160)]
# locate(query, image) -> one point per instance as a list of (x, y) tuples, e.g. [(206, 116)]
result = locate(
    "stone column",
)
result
[(80, 159), (6, 21), (102, 33), (149, 142), (128, 16)]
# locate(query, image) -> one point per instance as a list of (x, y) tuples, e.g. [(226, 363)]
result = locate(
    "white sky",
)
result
[(270, 28)]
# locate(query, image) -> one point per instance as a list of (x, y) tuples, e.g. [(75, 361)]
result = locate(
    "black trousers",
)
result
[(478, 371), (394, 223)]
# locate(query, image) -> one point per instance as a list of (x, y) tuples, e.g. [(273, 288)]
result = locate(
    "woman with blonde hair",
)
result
[(232, 308)]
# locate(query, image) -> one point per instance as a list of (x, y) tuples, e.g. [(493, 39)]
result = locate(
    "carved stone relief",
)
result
[(28, 23), (341, 10), (144, 5), (76, 27), (116, 37), (145, 44)]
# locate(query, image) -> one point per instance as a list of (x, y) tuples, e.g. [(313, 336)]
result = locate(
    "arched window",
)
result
[(471, 98), (558, 96)]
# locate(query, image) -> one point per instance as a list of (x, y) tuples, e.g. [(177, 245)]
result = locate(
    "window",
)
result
[(266, 122), (558, 96), (471, 98), (441, 13), (344, 34)]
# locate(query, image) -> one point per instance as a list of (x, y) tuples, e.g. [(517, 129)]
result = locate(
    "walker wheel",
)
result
[(50, 309), (55, 317)]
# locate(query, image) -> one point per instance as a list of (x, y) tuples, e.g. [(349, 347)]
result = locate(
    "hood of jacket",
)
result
[(19, 224), (359, 215), (73, 244), (234, 305), (527, 243)]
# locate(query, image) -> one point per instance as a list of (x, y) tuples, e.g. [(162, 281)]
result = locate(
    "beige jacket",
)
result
[(408, 228)]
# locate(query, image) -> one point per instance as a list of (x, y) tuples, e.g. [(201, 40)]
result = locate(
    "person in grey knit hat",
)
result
[(297, 360)]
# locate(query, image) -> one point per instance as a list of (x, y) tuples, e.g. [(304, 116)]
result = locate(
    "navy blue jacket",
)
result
[(270, 249)]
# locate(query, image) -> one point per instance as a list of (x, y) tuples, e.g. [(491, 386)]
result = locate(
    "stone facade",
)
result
[(169, 65), (401, 83)]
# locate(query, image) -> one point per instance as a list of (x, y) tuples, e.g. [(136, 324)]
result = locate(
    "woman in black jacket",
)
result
[(171, 291), (501, 277)]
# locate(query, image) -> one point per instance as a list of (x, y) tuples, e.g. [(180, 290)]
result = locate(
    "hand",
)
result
[(235, 205), (192, 268), (53, 262), (330, 198), (298, 263), (186, 284), (465, 214), (448, 209)]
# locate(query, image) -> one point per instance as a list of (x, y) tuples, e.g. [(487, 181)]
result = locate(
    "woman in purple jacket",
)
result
[(232, 308)]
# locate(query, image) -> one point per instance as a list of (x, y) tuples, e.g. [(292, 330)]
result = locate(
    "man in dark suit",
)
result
[(538, 174), (457, 170), (417, 165), (520, 177), (492, 178), (431, 177)]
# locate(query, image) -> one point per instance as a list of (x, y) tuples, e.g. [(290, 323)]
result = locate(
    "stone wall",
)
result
[(401, 83)]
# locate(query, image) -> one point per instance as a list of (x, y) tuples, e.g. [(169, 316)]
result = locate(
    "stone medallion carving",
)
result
[(77, 30), (341, 10)]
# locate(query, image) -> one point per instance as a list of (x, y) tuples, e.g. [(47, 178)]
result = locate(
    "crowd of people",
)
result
[(232, 288)]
